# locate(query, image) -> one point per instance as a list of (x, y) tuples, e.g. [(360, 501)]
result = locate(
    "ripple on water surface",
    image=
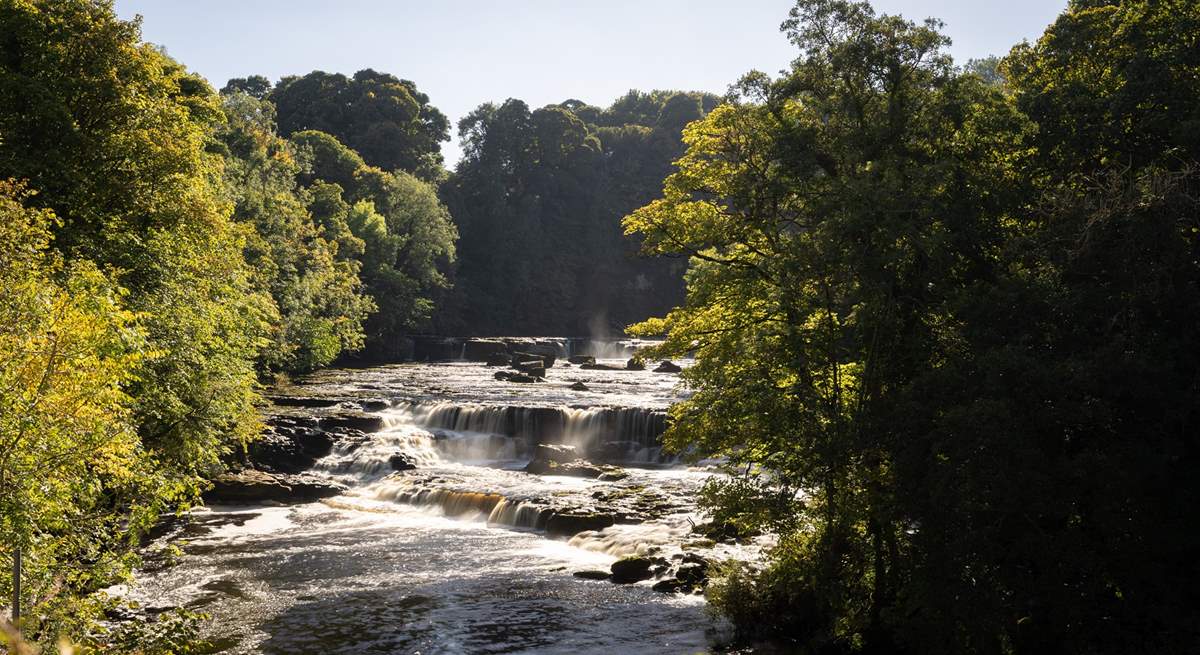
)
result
[(317, 579)]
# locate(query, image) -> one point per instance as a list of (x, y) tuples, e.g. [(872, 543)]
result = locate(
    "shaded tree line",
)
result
[(538, 198), (946, 328)]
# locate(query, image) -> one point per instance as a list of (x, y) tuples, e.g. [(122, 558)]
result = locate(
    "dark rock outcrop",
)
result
[(668, 367), (253, 486), (632, 569), (569, 524), (579, 386), (592, 575), (310, 402), (479, 350), (353, 420), (634, 365), (292, 445), (582, 359)]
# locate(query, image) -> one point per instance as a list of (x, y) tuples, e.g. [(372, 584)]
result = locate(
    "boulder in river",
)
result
[(498, 359), (632, 569), (600, 367), (503, 375), (668, 367), (253, 486), (592, 575), (401, 463), (519, 358), (635, 364), (582, 359), (292, 444), (479, 350), (521, 377), (353, 420), (579, 386), (534, 369), (571, 523)]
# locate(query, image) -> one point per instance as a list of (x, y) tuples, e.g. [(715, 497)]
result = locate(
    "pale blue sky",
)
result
[(466, 52)]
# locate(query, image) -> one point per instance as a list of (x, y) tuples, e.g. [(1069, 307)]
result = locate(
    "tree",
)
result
[(538, 198), (310, 269), (385, 119), (75, 483), (395, 228), (834, 217)]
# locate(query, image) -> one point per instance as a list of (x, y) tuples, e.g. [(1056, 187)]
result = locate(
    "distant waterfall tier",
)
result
[(607, 434)]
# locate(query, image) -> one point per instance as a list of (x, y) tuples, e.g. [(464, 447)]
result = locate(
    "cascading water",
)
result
[(441, 529), (611, 434)]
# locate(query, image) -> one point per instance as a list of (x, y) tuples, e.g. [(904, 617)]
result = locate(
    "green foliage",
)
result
[(384, 118), (956, 310), (75, 483), (307, 267), (537, 199), (79, 91), (404, 236)]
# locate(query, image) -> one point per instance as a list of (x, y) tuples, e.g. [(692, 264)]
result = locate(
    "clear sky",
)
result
[(466, 52)]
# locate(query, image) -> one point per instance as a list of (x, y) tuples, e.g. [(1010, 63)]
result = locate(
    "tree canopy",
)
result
[(538, 197), (947, 320), (385, 119)]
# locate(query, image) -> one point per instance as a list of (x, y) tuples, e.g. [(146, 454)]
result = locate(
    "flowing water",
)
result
[(466, 553)]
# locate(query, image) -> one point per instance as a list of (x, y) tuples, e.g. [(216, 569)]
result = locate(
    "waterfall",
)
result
[(621, 434)]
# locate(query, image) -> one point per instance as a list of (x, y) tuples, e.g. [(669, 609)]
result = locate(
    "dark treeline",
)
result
[(538, 199), (947, 328)]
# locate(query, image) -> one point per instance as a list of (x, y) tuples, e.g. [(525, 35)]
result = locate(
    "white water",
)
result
[(452, 557)]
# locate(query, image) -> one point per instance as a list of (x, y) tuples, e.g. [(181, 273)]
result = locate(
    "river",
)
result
[(463, 553)]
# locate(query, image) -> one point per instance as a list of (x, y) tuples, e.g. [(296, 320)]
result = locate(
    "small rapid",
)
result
[(440, 523)]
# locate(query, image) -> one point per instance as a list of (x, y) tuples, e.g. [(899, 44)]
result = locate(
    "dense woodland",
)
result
[(946, 319)]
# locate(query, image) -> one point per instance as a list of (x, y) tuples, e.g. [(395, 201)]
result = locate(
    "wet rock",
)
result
[(521, 377), (692, 574), (634, 364), (600, 367), (498, 359), (592, 575), (612, 474), (533, 369), (401, 463), (503, 375), (668, 586), (582, 359), (374, 405), (519, 358), (252, 486), (304, 401), (668, 367), (292, 445), (479, 350), (632, 569), (353, 420), (578, 386), (569, 524)]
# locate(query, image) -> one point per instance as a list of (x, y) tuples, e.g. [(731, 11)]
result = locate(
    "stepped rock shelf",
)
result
[(432, 506)]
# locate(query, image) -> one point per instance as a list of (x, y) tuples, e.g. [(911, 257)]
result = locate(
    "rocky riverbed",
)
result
[(435, 508)]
